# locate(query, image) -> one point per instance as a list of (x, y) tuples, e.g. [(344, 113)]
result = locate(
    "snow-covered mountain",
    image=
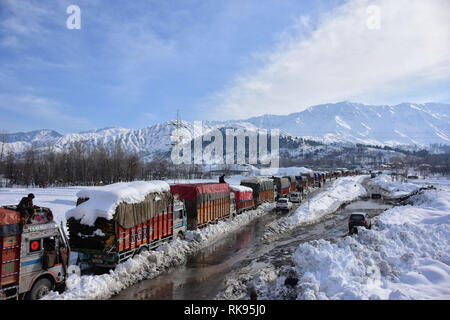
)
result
[(403, 124), (39, 136)]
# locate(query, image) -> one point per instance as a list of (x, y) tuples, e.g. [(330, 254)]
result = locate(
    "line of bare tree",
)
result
[(80, 167)]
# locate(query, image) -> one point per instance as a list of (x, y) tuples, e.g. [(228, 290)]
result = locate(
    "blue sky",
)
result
[(134, 63)]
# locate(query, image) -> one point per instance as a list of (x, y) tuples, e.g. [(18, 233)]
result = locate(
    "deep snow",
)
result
[(406, 255), (388, 187)]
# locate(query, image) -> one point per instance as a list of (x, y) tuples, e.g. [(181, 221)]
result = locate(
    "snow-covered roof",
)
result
[(240, 188), (104, 200)]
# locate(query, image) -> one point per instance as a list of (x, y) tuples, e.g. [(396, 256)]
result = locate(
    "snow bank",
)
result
[(104, 200), (393, 189), (150, 264), (341, 191), (406, 255)]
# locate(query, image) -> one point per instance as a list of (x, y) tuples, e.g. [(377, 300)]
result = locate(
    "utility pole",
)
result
[(177, 125)]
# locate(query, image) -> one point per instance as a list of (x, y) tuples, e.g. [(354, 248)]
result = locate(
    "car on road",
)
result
[(295, 197), (358, 219), (283, 204)]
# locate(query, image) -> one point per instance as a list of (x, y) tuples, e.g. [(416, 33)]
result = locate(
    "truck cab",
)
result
[(179, 219), (38, 258)]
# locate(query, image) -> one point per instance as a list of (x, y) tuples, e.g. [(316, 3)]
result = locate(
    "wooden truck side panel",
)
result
[(205, 202), (157, 228)]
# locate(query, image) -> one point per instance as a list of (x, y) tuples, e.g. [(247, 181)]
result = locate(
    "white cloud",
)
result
[(343, 59), (31, 108)]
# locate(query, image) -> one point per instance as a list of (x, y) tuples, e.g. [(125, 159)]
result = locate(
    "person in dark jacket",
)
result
[(222, 179), (26, 207)]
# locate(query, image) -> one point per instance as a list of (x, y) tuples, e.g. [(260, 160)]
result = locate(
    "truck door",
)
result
[(179, 219)]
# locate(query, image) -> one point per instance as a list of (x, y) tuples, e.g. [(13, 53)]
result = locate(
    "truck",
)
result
[(319, 178), (34, 255), (283, 186), (205, 202), (293, 183), (309, 178), (106, 238), (243, 197), (300, 186), (263, 189)]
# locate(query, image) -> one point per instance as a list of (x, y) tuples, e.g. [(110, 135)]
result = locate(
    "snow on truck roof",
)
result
[(104, 200), (240, 188)]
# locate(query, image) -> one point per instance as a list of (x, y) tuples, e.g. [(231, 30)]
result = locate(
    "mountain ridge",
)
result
[(407, 124)]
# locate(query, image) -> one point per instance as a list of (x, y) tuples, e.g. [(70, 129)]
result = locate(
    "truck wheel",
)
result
[(142, 249), (181, 235), (40, 289)]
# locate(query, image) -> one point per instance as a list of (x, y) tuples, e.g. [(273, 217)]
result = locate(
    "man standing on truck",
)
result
[(26, 207)]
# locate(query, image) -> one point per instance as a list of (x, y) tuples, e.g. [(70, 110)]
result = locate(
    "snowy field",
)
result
[(406, 255), (59, 200)]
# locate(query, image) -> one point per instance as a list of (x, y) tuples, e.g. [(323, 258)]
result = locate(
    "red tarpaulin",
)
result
[(190, 191), (242, 196)]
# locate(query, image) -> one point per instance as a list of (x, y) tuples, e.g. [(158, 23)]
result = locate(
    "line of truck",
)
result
[(111, 224)]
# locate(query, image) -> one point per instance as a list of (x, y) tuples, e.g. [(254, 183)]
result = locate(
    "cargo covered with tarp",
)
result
[(204, 202), (283, 185), (10, 222), (309, 178), (121, 216), (262, 188), (243, 196), (301, 183), (293, 183)]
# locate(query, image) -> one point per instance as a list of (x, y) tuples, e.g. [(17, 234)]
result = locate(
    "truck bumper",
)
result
[(99, 260)]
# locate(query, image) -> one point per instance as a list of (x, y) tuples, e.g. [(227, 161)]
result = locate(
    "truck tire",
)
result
[(40, 289), (142, 249), (181, 235)]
